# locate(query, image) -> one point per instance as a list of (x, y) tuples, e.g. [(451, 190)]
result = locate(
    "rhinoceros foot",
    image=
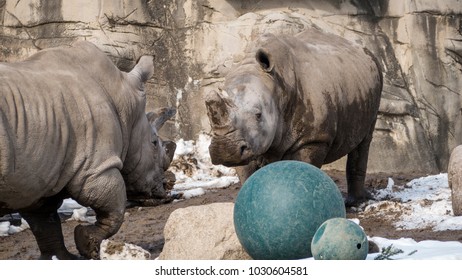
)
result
[(88, 240), (63, 255), (353, 201), (45, 224)]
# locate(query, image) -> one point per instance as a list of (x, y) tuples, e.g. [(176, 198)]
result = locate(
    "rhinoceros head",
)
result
[(244, 114), (148, 156), (146, 179)]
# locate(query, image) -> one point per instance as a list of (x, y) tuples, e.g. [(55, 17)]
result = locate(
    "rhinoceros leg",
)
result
[(105, 194), (244, 172), (45, 224), (356, 172), (314, 154)]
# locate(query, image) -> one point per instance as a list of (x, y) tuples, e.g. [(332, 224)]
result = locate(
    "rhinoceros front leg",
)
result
[(105, 194), (314, 154), (244, 172), (45, 224)]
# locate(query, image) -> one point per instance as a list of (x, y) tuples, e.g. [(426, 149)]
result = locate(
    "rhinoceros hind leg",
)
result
[(45, 224), (356, 173)]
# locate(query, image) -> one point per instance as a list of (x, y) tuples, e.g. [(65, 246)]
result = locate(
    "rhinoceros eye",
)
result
[(154, 142), (258, 116)]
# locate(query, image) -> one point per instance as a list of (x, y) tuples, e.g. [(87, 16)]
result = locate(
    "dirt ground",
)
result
[(144, 226)]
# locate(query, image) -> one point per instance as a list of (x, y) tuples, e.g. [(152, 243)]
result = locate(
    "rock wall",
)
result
[(195, 43)]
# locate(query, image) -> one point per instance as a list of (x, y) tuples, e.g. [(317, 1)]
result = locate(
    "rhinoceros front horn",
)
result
[(217, 110)]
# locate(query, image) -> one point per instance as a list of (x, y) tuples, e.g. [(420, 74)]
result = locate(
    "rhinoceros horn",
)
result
[(218, 110), (157, 120)]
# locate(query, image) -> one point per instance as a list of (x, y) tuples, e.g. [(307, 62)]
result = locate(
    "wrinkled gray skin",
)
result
[(73, 125), (312, 97)]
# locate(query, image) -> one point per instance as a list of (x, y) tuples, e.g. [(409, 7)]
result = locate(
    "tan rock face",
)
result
[(202, 233), (195, 43)]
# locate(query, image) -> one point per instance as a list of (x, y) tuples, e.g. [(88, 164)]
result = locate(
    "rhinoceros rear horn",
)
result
[(160, 116), (144, 69), (263, 58)]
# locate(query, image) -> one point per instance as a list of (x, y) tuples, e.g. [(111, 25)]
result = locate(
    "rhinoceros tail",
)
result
[(377, 63)]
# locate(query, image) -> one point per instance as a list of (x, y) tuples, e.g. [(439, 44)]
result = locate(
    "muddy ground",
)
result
[(144, 226)]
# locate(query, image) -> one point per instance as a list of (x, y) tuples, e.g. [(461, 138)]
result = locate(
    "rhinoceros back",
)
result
[(340, 86)]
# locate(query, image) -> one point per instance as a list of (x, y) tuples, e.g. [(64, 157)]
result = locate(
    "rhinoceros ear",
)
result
[(265, 60), (144, 69), (160, 116)]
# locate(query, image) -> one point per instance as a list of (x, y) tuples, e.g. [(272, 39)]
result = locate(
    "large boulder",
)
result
[(202, 233), (455, 179)]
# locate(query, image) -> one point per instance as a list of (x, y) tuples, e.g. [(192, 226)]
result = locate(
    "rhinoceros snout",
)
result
[(246, 153), (229, 153)]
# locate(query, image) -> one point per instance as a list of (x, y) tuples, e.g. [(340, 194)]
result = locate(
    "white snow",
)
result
[(426, 203), (423, 250), (112, 250), (6, 228), (80, 215), (194, 171), (69, 205), (187, 194)]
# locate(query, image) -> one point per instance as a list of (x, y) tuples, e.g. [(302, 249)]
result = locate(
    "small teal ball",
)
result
[(339, 239), (280, 207)]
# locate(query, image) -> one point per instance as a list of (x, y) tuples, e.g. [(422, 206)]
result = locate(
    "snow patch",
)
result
[(6, 228), (422, 203), (80, 215), (423, 250), (115, 250), (194, 170)]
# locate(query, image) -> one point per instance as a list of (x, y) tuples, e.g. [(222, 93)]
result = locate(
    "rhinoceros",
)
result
[(311, 97), (73, 125)]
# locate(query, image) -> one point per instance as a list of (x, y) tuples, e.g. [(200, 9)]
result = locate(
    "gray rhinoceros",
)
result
[(73, 125), (311, 97)]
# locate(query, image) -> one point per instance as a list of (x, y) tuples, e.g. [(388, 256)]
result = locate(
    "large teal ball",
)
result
[(340, 239), (280, 207)]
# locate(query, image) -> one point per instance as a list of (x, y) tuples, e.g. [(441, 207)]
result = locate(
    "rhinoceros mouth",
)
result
[(139, 191), (230, 153)]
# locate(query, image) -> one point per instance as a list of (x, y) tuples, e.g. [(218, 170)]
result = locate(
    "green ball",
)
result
[(280, 207), (339, 239)]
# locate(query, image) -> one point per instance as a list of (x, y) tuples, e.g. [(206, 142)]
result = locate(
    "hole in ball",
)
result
[(358, 245)]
